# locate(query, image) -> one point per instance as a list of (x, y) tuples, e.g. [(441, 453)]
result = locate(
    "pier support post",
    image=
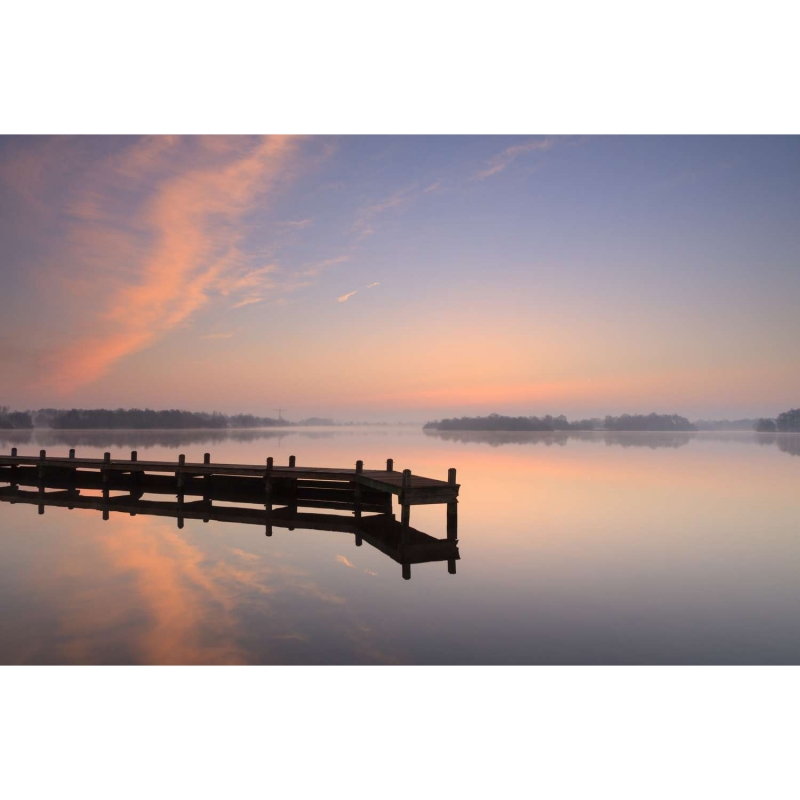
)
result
[(134, 479), (452, 513), (14, 474), (207, 483), (357, 490), (179, 476), (40, 473), (406, 572), (268, 496), (405, 513)]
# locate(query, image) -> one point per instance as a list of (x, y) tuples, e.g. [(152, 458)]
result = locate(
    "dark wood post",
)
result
[(452, 515), (40, 472), (181, 483), (207, 483), (134, 455), (406, 572), (451, 566), (179, 477), (452, 520), (13, 452), (14, 483), (72, 453), (357, 489), (405, 513), (268, 497), (390, 465), (359, 540), (292, 461)]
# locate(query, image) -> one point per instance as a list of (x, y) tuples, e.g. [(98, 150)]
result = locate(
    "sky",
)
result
[(401, 278)]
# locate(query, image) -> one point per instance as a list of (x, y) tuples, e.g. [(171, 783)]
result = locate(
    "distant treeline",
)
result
[(139, 419), (787, 422), (725, 424), (498, 422), (14, 420), (648, 422), (627, 422)]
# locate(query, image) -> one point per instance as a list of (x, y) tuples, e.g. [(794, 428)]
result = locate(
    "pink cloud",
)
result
[(191, 221)]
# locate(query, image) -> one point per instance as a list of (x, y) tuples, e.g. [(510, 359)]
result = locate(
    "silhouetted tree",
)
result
[(648, 422), (788, 421), (14, 420), (766, 426)]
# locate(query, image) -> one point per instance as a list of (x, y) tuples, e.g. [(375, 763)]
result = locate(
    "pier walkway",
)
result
[(279, 491)]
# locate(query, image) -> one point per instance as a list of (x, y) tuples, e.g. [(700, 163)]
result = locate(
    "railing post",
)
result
[(72, 453), (40, 473), (405, 514), (292, 461), (207, 484), (268, 496), (390, 465), (359, 467)]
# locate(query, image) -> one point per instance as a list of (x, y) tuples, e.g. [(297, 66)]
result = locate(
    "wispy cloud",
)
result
[(501, 161), (345, 297), (373, 285), (346, 561), (188, 224), (318, 267), (364, 224), (248, 301), (432, 188), (297, 224)]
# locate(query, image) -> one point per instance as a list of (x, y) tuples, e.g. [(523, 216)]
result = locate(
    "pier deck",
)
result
[(279, 490), (411, 489)]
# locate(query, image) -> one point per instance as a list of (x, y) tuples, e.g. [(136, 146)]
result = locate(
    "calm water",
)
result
[(581, 549)]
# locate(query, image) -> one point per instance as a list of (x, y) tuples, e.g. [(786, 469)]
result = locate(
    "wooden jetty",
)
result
[(269, 495)]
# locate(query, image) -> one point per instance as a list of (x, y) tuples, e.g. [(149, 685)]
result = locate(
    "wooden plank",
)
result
[(418, 489)]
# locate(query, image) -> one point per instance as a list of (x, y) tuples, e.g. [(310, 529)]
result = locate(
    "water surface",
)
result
[(586, 548)]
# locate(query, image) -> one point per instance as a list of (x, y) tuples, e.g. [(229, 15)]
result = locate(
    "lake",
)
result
[(580, 548)]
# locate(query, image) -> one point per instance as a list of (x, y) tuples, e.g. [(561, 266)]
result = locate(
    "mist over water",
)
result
[(576, 547)]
